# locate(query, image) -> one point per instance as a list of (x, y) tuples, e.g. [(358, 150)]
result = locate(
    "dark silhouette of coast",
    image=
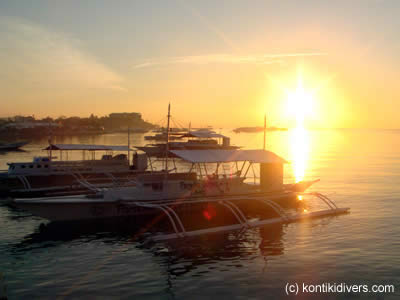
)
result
[(30, 127)]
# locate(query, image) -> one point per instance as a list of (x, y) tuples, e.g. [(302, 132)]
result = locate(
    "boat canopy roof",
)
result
[(86, 147), (204, 134), (221, 156)]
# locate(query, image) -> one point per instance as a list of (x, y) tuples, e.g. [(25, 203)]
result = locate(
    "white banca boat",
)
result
[(196, 140), (12, 146), (52, 175), (216, 188)]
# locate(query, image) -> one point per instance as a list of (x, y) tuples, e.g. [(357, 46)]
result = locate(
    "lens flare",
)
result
[(209, 212)]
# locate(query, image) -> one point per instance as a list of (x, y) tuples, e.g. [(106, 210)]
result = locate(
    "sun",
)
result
[(300, 103)]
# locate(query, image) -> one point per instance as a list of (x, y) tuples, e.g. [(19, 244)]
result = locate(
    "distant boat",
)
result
[(12, 146), (163, 136), (257, 129), (197, 140), (139, 130), (131, 130)]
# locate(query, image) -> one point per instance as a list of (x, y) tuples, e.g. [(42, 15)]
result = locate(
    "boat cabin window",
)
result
[(38, 166), (38, 159), (30, 166), (106, 157), (23, 166), (46, 166)]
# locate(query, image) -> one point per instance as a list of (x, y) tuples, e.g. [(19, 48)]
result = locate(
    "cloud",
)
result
[(35, 56), (263, 59)]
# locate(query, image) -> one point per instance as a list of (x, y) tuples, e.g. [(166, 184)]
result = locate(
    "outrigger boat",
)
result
[(222, 197), (197, 140), (161, 134), (190, 193), (49, 175), (12, 146)]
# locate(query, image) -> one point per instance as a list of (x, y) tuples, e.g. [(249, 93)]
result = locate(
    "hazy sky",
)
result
[(221, 63)]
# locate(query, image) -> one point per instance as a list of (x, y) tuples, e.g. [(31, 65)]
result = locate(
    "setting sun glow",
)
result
[(299, 144), (300, 103), (300, 107)]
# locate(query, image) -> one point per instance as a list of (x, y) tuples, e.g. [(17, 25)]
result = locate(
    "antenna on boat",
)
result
[(265, 129)]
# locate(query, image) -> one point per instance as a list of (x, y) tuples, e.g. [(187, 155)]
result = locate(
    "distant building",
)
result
[(134, 116), (117, 121), (23, 119)]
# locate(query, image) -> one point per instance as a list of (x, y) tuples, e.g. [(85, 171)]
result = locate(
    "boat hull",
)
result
[(52, 185), (76, 208), (13, 146)]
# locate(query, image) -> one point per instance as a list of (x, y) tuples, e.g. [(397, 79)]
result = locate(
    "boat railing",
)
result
[(79, 166), (89, 162)]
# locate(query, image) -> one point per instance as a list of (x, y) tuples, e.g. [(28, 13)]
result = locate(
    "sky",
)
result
[(219, 63)]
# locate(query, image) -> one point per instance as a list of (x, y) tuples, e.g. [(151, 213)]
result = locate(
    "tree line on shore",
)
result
[(114, 122)]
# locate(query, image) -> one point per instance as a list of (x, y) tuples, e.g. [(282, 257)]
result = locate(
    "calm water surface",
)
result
[(359, 169)]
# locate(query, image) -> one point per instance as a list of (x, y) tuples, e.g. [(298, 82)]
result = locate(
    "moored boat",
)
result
[(12, 146), (49, 175), (189, 191), (214, 194), (196, 140)]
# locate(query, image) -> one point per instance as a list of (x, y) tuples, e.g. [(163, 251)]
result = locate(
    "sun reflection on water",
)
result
[(299, 144)]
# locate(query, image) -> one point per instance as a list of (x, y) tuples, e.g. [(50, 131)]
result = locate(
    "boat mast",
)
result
[(50, 142), (165, 185), (167, 138), (129, 146), (265, 128)]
